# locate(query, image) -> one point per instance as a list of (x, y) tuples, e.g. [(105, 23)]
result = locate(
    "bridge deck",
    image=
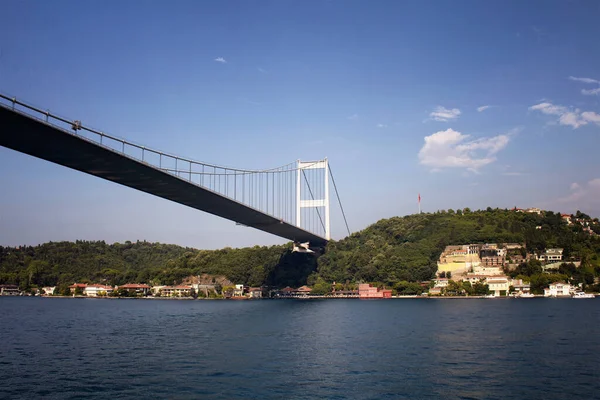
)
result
[(32, 136)]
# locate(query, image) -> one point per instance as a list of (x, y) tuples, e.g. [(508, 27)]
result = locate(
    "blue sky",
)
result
[(391, 92)]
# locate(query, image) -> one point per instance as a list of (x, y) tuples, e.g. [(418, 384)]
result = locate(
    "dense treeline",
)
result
[(84, 261), (64, 263), (395, 252)]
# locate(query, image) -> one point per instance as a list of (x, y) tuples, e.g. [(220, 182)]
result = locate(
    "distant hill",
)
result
[(88, 261), (389, 251)]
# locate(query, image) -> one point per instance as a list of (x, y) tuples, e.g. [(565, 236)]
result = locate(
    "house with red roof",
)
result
[(76, 286), (137, 288)]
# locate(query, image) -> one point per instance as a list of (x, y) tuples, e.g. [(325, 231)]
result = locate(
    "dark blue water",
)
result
[(295, 349)]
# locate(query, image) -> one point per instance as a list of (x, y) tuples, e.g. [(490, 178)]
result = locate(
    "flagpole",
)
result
[(419, 203)]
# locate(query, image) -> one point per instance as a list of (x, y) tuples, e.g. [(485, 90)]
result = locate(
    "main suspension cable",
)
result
[(339, 200)]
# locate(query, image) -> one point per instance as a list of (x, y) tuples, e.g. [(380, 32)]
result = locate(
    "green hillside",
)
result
[(407, 248), (390, 251), (88, 261)]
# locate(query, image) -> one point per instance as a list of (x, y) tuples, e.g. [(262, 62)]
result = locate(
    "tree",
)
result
[(321, 287), (468, 288), (481, 289), (454, 288)]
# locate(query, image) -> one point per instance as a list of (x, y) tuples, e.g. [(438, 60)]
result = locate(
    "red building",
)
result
[(366, 291)]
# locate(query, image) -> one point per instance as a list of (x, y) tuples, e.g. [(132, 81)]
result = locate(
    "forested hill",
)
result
[(91, 261), (407, 248), (389, 251)]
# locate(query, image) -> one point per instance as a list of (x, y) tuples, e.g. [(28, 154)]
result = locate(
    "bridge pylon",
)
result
[(313, 202)]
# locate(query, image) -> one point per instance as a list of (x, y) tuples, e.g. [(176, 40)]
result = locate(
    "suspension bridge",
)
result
[(291, 201)]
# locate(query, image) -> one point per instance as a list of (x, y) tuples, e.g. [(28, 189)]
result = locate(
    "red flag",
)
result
[(419, 197)]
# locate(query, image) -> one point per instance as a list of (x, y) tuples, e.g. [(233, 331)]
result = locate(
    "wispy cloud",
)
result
[(591, 92), (590, 190), (452, 149), (568, 116), (588, 92), (381, 125), (353, 117), (261, 70), (513, 173), (444, 114), (482, 108), (584, 80), (221, 60)]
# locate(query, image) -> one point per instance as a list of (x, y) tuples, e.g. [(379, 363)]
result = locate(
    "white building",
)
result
[(520, 286), (238, 291), (498, 284), (559, 289), (534, 210), (487, 270), (553, 255), (475, 278), (441, 282), (48, 290), (97, 290)]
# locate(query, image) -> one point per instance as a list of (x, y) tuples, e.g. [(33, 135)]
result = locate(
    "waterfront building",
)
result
[(435, 291), (9, 290), (558, 289), (366, 291), (303, 291), (498, 284), (520, 286), (255, 292), (238, 291), (96, 290), (76, 286), (176, 291), (48, 290), (136, 288)]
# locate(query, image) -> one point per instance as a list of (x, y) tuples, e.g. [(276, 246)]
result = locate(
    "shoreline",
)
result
[(296, 298)]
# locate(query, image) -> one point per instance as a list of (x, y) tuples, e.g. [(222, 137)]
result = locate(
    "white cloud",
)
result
[(591, 92), (591, 117), (482, 108), (571, 119), (548, 108), (584, 80), (353, 117), (452, 149), (583, 194), (221, 60), (444, 114), (381, 125), (261, 70), (566, 116), (588, 92)]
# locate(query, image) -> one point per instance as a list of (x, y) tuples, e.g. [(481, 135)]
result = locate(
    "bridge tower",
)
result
[(313, 202)]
